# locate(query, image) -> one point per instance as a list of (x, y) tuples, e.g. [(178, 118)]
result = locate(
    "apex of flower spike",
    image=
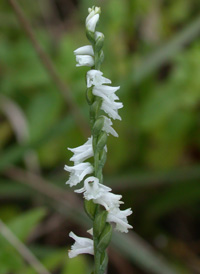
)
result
[(92, 18), (82, 245)]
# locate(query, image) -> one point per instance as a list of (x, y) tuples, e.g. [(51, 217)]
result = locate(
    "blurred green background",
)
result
[(152, 50)]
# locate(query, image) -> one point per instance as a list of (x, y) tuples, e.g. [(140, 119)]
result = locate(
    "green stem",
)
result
[(99, 266)]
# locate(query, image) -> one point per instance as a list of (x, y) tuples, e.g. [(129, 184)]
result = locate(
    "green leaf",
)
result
[(90, 208), (105, 238), (100, 222)]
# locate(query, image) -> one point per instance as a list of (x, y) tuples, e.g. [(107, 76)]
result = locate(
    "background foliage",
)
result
[(152, 50)]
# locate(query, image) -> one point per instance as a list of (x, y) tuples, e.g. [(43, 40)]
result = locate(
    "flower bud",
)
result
[(92, 18), (90, 208), (102, 140), (100, 222), (91, 23), (105, 238), (89, 96), (99, 40), (98, 125)]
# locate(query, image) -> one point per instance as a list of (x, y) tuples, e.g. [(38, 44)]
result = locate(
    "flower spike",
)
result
[(101, 205)]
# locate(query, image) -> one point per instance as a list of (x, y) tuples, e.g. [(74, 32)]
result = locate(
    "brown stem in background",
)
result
[(47, 63), (42, 185)]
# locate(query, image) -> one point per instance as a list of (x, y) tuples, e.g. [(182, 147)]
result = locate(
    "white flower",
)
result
[(111, 109), (84, 60), (85, 50), (106, 92), (92, 18), (82, 245), (95, 78), (78, 172), (119, 217), (100, 194), (109, 200), (108, 95), (83, 152), (93, 189), (107, 127)]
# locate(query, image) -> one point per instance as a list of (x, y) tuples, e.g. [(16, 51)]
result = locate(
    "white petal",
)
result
[(83, 152), (115, 215), (81, 246), (109, 200), (91, 23), (107, 89), (78, 172), (84, 60), (93, 189), (95, 78), (107, 127), (112, 113), (85, 50)]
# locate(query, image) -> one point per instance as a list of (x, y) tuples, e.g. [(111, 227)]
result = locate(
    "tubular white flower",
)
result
[(83, 152), (93, 189), (108, 95), (84, 60), (78, 172), (95, 78), (91, 25), (81, 246), (92, 18), (111, 109), (85, 50), (109, 200), (106, 92), (119, 217), (107, 127)]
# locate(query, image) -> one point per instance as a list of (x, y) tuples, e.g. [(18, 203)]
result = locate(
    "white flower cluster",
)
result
[(92, 189)]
